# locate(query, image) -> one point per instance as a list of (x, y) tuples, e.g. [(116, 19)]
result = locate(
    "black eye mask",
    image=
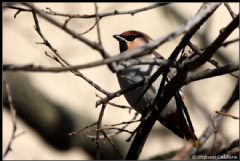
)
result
[(123, 46)]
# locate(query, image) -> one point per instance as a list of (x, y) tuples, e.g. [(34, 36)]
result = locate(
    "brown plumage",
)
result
[(175, 116)]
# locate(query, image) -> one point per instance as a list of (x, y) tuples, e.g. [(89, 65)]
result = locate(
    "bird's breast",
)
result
[(138, 98)]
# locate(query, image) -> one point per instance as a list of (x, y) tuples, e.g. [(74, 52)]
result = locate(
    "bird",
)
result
[(174, 116)]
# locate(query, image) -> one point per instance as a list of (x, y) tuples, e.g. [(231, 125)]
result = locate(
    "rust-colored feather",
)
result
[(137, 33)]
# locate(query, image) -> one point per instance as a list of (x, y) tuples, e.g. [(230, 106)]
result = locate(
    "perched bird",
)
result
[(175, 115)]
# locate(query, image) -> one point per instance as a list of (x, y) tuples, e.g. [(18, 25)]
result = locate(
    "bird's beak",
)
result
[(119, 38)]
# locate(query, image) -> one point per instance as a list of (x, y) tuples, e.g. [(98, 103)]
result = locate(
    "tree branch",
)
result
[(48, 44), (208, 73), (100, 15), (229, 10), (210, 50), (202, 15), (13, 116), (211, 61)]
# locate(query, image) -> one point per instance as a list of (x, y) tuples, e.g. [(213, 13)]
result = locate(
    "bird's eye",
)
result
[(131, 37)]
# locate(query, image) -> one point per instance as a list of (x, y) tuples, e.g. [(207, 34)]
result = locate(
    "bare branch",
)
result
[(78, 131), (124, 122), (120, 92), (71, 32), (13, 116), (115, 105), (19, 9), (215, 131), (98, 26), (210, 50), (202, 15), (92, 27), (229, 10), (48, 44), (123, 65), (104, 55), (99, 126), (227, 114), (112, 143), (116, 128), (100, 15), (208, 73), (211, 61), (225, 44)]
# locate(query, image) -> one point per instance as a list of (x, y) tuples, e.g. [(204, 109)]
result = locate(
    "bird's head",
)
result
[(131, 39)]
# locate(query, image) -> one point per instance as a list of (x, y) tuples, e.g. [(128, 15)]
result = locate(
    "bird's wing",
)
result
[(186, 129)]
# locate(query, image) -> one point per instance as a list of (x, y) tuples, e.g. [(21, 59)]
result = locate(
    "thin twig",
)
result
[(98, 26), (13, 117), (197, 60), (100, 15), (112, 143), (229, 10), (92, 27), (19, 9), (120, 92), (225, 44), (71, 32), (211, 61), (124, 122), (227, 115), (99, 126), (200, 52), (111, 67), (202, 15), (215, 131), (80, 130), (48, 44), (123, 65), (115, 12), (114, 104), (116, 128)]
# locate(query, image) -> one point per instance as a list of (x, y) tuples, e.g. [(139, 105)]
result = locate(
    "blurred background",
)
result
[(67, 103)]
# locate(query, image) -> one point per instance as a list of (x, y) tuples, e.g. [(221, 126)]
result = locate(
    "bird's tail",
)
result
[(183, 130), (180, 123), (187, 128), (191, 137)]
